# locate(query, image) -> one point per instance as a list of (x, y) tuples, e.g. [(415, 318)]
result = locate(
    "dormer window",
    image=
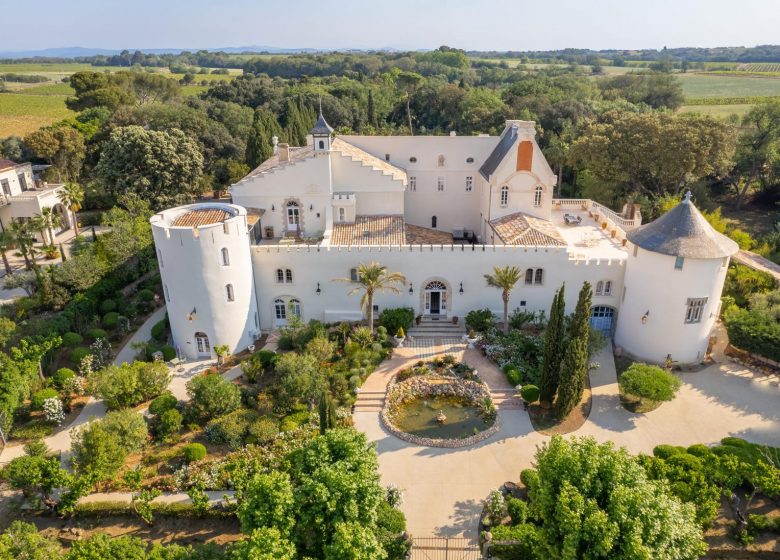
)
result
[(469, 160), (321, 144), (412, 159), (441, 161)]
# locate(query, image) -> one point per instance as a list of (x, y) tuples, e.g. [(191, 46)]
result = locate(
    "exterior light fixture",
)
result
[(311, 207), (411, 290), (273, 208), (461, 288), (191, 316), (318, 291), (645, 316)]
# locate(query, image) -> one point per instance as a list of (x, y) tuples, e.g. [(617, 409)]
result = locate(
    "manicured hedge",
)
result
[(62, 375), (111, 320), (146, 295), (480, 320), (159, 331), (41, 396), (107, 306), (754, 332), (72, 339), (78, 354), (194, 452), (393, 318), (94, 334)]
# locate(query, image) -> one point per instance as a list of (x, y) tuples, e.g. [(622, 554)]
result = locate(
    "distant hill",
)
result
[(74, 52)]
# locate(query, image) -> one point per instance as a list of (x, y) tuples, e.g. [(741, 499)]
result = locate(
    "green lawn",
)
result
[(720, 111), (23, 112)]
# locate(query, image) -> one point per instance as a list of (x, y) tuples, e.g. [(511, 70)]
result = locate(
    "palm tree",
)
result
[(505, 280), (370, 279), (72, 197), (51, 220), (6, 242), (24, 240), (38, 224)]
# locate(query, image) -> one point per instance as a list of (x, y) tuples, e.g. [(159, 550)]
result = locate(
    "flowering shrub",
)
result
[(52, 410), (519, 349), (75, 386)]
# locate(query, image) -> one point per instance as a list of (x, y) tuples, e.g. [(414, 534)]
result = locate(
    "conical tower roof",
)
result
[(321, 127), (683, 232)]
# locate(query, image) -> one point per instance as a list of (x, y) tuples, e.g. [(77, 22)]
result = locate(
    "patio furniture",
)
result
[(572, 220)]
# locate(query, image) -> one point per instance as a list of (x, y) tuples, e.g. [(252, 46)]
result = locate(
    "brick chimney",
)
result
[(284, 151)]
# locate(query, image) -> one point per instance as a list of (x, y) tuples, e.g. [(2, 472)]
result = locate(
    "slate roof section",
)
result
[(201, 217), (321, 127), (526, 231), (498, 154), (385, 230), (683, 232)]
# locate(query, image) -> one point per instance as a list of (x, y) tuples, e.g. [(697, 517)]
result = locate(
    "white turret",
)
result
[(204, 259), (674, 278)]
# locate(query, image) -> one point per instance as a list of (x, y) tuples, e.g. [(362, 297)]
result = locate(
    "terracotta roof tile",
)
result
[(201, 217), (524, 230), (385, 230), (365, 158)]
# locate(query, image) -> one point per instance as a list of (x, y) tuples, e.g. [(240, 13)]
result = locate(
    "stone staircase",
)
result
[(506, 398), (431, 327), (370, 401)]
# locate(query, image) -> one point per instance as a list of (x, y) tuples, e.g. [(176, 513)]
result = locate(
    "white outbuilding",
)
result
[(674, 276)]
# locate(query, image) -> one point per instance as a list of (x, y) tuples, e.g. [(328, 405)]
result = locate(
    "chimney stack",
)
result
[(284, 152)]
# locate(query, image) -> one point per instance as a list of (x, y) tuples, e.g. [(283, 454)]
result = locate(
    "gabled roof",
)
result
[(527, 231), (370, 160), (273, 162), (498, 154), (321, 127), (683, 232), (7, 164)]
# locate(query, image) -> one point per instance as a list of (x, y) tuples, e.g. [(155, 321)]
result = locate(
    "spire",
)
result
[(321, 132)]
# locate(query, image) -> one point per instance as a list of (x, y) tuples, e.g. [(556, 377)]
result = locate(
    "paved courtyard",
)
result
[(444, 487)]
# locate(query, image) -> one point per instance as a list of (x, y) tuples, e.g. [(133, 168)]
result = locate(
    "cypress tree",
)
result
[(327, 410), (553, 349), (575, 360), (256, 143), (371, 109)]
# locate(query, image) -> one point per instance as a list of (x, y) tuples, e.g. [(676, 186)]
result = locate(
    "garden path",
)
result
[(444, 488)]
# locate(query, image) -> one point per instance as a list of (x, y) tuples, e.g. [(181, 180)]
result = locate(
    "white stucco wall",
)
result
[(451, 265), (194, 279), (653, 285)]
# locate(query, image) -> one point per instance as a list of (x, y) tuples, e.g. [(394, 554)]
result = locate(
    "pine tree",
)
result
[(371, 109), (553, 349), (575, 361)]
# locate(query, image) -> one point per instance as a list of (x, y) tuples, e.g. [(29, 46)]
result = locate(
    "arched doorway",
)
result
[(602, 318), (64, 221), (293, 216), (436, 300), (202, 344), (284, 308)]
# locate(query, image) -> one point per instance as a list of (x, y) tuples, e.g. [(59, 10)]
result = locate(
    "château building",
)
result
[(443, 211)]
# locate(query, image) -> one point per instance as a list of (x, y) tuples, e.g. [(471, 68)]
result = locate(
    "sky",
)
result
[(403, 24)]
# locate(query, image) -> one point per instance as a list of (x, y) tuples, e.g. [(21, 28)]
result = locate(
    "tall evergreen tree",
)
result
[(293, 124), (258, 145), (327, 410), (575, 361), (553, 349), (371, 110)]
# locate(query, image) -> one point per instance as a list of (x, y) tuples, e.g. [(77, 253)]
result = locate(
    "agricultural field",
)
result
[(719, 111), (29, 106), (768, 67), (714, 85)]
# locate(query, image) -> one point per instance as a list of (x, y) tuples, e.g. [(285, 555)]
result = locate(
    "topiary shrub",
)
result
[(78, 354), (665, 451), (107, 306), (159, 331), (517, 509), (194, 452), (529, 477), (164, 402), (146, 294), (649, 382), (168, 353), (72, 339), (94, 334), (394, 318), (42, 395), (61, 376), (699, 450), (111, 320), (530, 393), (514, 376)]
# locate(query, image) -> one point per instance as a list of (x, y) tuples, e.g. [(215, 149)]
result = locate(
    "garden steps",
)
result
[(437, 328)]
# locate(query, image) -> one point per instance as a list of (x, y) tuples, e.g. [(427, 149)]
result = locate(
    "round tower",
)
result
[(206, 269), (674, 277)]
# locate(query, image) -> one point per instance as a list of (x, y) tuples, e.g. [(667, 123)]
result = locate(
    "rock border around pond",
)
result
[(397, 393)]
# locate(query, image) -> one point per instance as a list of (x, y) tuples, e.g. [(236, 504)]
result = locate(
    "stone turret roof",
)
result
[(321, 127), (683, 232)]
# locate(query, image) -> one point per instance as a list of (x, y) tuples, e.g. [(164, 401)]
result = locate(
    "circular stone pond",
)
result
[(439, 411)]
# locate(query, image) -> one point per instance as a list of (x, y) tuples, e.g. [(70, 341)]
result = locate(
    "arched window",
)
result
[(504, 195), (280, 309), (295, 307), (441, 161), (280, 276), (434, 221), (529, 276), (202, 343), (538, 196), (353, 274), (229, 292), (322, 145), (599, 288), (288, 276), (469, 160), (608, 288), (538, 276), (225, 256)]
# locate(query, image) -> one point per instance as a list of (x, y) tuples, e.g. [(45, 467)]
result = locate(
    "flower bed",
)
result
[(432, 385)]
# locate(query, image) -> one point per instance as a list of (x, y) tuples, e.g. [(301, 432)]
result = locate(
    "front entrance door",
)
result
[(293, 217), (602, 318), (435, 303), (280, 312), (202, 343)]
